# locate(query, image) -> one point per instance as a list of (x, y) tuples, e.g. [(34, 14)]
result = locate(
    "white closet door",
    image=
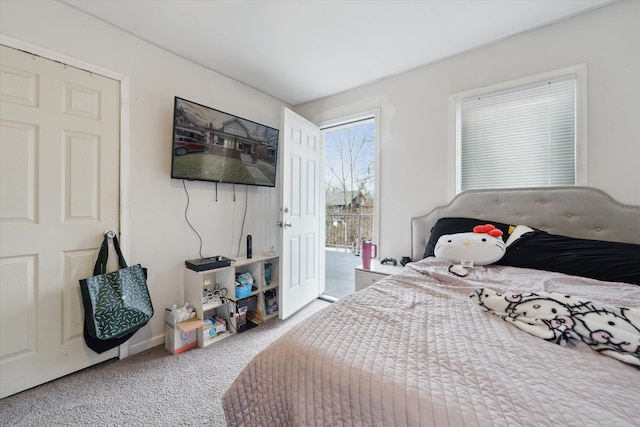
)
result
[(59, 192)]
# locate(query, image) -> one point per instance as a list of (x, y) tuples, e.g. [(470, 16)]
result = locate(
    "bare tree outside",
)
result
[(350, 177)]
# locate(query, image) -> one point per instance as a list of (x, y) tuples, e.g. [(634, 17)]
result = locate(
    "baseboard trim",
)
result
[(146, 345)]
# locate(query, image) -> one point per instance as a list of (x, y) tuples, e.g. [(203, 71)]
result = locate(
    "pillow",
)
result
[(517, 232), (459, 225), (596, 259), (482, 246)]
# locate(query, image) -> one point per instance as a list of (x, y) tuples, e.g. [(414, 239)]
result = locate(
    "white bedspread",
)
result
[(415, 350)]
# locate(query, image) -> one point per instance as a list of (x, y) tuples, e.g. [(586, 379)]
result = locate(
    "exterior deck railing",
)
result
[(346, 231)]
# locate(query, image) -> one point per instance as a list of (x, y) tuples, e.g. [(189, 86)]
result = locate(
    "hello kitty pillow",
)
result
[(483, 246)]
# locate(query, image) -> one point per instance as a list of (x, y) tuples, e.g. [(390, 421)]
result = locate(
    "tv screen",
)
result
[(210, 145)]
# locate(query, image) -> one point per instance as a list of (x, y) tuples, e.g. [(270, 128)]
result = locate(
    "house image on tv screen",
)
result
[(211, 145)]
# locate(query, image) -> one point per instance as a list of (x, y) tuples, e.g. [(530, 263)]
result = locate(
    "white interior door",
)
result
[(59, 192), (301, 240)]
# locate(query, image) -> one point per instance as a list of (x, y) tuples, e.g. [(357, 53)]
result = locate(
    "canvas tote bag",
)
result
[(116, 304)]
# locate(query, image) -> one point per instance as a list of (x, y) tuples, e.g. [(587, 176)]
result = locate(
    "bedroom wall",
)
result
[(159, 237), (415, 173)]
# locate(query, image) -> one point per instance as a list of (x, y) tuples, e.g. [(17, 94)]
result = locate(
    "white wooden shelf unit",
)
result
[(225, 278)]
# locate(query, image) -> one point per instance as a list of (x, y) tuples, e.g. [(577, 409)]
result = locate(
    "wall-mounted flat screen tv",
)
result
[(210, 145)]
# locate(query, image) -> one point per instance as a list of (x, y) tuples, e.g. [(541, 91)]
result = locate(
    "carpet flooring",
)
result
[(151, 388)]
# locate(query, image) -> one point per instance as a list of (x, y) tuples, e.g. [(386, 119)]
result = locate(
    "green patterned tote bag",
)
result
[(115, 303)]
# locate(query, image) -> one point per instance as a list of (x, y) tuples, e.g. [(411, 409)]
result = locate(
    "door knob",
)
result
[(286, 224)]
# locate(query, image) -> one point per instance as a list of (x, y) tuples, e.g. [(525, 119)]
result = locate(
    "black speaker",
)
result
[(249, 248)]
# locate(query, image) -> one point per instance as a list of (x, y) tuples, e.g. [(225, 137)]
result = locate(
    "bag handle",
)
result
[(103, 255)]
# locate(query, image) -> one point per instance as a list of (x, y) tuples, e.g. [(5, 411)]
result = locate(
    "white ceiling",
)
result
[(298, 51)]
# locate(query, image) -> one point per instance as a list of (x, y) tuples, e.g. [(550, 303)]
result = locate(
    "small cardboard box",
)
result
[(177, 341), (179, 337)]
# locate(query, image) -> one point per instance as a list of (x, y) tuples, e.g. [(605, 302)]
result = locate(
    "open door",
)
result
[(301, 213)]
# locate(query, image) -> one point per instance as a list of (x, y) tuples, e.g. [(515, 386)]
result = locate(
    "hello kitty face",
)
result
[(610, 329), (491, 300), (541, 308), (478, 248)]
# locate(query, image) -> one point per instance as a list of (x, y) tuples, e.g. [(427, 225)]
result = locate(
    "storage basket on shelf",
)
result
[(243, 290), (244, 284)]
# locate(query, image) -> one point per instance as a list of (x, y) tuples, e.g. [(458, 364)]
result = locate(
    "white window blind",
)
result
[(522, 137)]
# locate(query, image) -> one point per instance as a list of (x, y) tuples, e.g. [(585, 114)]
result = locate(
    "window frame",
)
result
[(580, 73)]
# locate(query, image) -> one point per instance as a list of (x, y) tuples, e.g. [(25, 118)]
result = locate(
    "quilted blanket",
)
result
[(414, 350), (613, 331)]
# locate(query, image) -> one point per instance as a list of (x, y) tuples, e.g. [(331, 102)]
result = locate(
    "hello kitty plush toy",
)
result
[(483, 246)]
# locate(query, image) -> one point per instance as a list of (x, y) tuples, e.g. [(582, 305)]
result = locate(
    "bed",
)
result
[(418, 349)]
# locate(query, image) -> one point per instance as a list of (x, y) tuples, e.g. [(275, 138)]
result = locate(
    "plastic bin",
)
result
[(243, 290)]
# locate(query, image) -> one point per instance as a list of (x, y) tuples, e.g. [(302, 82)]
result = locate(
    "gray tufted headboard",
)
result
[(581, 212)]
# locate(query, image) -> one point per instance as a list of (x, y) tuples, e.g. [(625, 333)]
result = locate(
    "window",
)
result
[(523, 134)]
